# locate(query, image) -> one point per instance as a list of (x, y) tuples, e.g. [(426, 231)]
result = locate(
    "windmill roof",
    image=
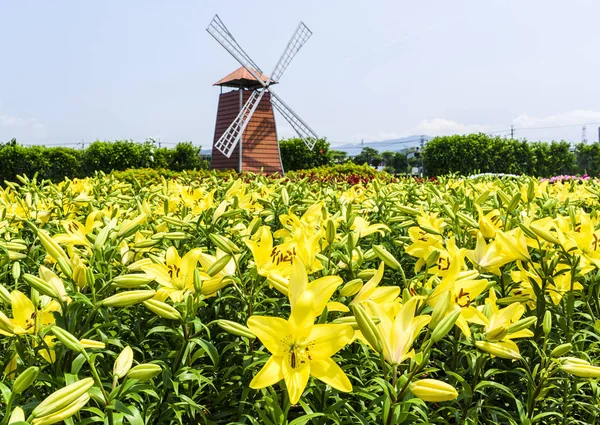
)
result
[(241, 77)]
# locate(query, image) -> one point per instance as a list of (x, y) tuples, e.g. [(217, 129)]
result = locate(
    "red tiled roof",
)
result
[(241, 77)]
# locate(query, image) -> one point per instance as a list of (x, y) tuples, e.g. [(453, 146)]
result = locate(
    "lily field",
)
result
[(307, 299)]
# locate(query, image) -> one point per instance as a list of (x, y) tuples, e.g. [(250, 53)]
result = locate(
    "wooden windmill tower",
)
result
[(245, 132)]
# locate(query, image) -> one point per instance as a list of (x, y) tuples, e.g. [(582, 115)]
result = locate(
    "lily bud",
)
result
[(466, 219), (387, 257), (17, 415), (285, 197), (4, 295), (62, 398), (498, 349), (92, 343), (51, 246), (440, 309), (128, 298), (351, 287), (123, 363), (64, 413), (65, 267), (496, 334), (445, 324), (369, 255), (218, 265), (433, 390), (530, 191), (134, 280), (330, 231), (129, 227), (6, 324), (561, 350), (235, 328), (408, 210), (366, 274), (544, 234), (547, 323), (67, 339), (225, 244), (219, 211), (432, 258), (581, 370), (25, 379), (514, 202), (162, 309), (41, 286), (80, 275), (521, 324), (351, 241), (367, 327), (16, 270), (144, 371)]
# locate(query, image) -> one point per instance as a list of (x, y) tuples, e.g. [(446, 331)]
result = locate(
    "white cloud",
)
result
[(444, 127), (576, 117), (23, 129)]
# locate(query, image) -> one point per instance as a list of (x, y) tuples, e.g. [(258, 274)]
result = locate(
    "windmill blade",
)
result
[(301, 36), (219, 31), (232, 136), (303, 130)]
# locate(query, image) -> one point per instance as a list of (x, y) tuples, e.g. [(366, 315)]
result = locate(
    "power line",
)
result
[(513, 128)]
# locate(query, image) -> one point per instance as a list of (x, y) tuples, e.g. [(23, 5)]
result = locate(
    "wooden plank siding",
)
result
[(229, 107), (260, 150)]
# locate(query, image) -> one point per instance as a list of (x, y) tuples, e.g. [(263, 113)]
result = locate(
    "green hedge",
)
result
[(58, 163), (480, 153)]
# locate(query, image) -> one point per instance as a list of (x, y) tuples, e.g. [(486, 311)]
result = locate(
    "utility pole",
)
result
[(598, 134), (422, 163), (512, 131), (583, 135)]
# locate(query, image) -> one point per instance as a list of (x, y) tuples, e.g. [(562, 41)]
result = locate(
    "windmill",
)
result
[(245, 132)]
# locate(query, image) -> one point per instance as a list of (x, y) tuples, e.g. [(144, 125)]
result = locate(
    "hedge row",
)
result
[(479, 153), (58, 163)]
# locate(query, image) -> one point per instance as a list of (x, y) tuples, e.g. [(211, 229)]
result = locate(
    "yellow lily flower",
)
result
[(486, 257), (556, 288), (29, 320), (76, 233), (513, 245), (464, 287), (378, 294), (363, 228), (320, 289), (489, 223), (275, 262), (497, 325), (176, 276), (300, 349), (211, 285), (398, 329)]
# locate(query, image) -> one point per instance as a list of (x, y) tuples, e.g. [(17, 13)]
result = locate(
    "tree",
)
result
[(338, 157), (395, 162), (295, 155), (369, 156)]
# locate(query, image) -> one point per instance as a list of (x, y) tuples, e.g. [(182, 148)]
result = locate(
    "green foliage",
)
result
[(57, 163), (368, 156), (588, 158), (468, 154), (185, 156), (295, 155)]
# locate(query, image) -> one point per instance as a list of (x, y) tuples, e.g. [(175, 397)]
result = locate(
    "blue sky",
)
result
[(75, 70)]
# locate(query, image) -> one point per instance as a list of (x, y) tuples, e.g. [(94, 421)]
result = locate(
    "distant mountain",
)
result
[(394, 145), (352, 149)]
